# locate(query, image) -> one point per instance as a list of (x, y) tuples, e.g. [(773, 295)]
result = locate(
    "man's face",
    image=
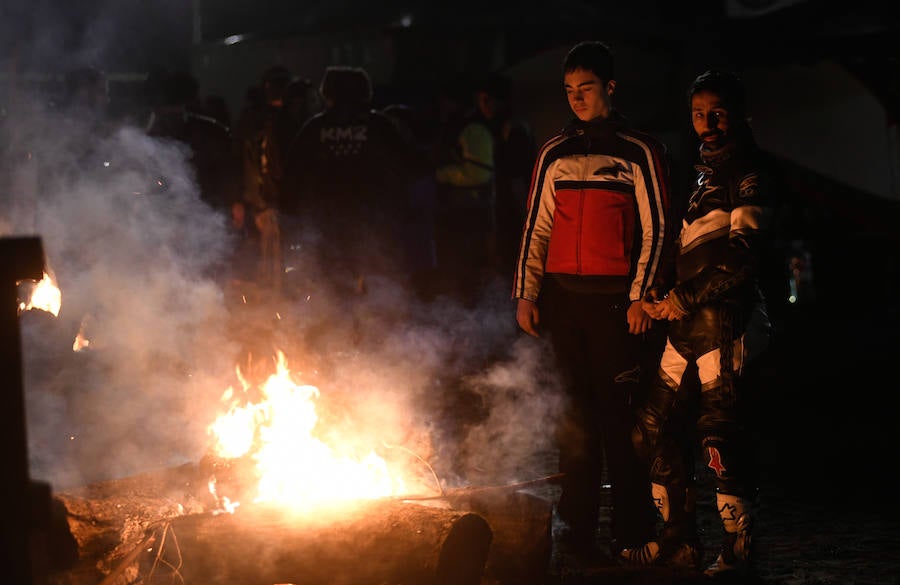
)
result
[(487, 104), (709, 117), (589, 97)]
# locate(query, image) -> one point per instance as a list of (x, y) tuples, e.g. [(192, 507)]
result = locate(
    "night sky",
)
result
[(136, 35)]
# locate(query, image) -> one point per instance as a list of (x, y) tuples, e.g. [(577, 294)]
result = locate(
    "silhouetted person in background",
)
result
[(349, 166), (301, 101), (86, 92), (418, 226), (84, 112), (465, 223), (215, 106), (263, 134), (178, 112), (514, 153)]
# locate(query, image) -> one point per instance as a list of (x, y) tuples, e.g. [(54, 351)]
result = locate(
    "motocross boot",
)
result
[(677, 544), (735, 557)]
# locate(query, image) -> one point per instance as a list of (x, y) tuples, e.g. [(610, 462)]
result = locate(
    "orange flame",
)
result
[(81, 341), (294, 468), (45, 295)]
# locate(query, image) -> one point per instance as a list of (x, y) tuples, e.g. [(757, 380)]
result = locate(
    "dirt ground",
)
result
[(801, 540)]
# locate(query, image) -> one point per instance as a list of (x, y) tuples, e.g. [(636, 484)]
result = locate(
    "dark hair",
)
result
[(275, 81), (495, 85), (347, 85), (297, 89), (725, 84), (180, 87), (594, 56)]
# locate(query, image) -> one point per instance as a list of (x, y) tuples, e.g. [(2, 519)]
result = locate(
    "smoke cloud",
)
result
[(145, 268), (136, 255)]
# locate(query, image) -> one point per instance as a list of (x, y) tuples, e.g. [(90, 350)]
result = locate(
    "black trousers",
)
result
[(599, 362)]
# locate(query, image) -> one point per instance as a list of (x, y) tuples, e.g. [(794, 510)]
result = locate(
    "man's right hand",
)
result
[(528, 317)]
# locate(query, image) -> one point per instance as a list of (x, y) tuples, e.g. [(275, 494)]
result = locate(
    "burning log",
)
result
[(521, 523), (522, 544), (374, 542), (109, 514), (158, 527), (105, 521)]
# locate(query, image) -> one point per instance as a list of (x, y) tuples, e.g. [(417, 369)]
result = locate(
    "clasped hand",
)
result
[(661, 309)]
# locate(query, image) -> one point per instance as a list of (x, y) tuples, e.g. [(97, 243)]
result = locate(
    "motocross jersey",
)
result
[(598, 210), (724, 229)]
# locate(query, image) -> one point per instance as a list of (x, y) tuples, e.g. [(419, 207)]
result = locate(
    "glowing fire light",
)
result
[(81, 341), (295, 468), (45, 295)]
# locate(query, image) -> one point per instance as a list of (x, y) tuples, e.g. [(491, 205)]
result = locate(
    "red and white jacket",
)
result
[(599, 206)]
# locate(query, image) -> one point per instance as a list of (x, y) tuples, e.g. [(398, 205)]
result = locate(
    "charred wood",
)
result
[(375, 542), (105, 521), (521, 523), (164, 527)]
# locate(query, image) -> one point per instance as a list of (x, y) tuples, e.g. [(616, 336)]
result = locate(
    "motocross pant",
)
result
[(709, 411)]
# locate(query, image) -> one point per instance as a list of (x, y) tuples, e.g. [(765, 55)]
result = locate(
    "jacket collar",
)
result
[(598, 126)]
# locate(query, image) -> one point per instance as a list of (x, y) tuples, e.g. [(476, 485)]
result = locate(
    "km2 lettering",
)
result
[(342, 133), (344, 140)]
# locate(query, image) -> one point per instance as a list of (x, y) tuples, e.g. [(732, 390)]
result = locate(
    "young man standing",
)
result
[(718, 323), (594, 234)]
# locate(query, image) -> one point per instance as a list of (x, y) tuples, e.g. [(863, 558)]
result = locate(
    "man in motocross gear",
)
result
[(718, 324)]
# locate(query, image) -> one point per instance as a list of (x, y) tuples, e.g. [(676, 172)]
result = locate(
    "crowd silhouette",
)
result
[(428, 190)]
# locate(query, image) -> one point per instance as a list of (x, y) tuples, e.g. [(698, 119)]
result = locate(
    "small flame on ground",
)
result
[(294, 468), (81, 340), (227, 505), (45, 295)]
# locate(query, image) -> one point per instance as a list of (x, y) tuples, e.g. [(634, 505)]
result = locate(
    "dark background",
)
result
[(834, 347), (139, 35), (825, 401)]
